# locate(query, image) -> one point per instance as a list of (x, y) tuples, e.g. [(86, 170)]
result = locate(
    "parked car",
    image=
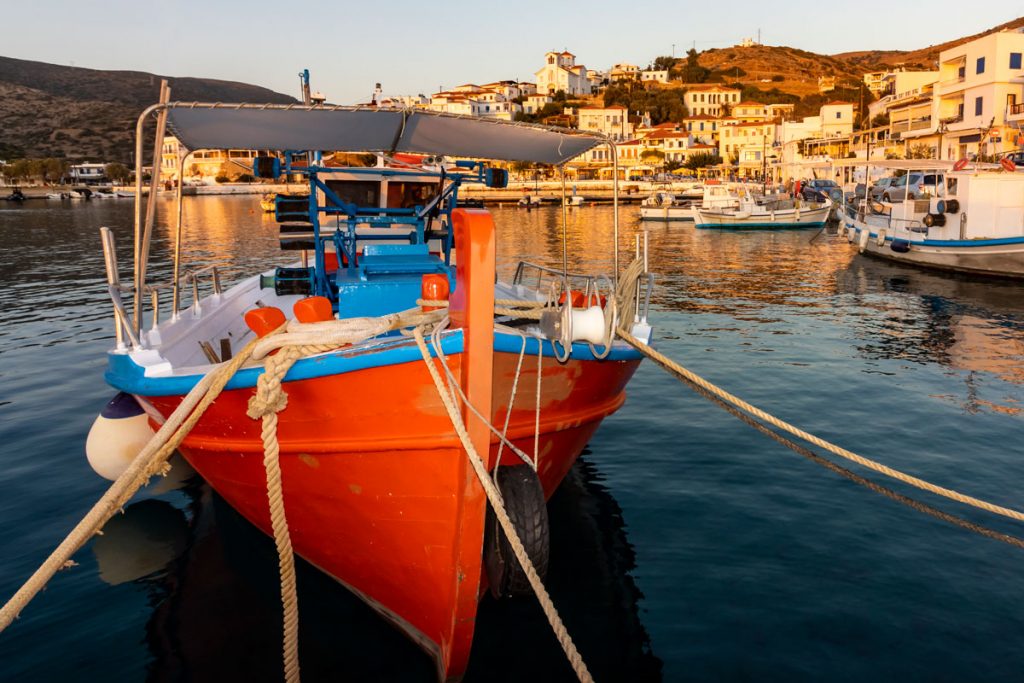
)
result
[(913, 186), (819, 190), (1017, 158), (880, 186)]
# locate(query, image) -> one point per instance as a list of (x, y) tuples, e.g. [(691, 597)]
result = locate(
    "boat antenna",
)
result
[(304, 87)]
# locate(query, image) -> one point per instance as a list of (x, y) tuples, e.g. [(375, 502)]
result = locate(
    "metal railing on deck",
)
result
[(123, 323)]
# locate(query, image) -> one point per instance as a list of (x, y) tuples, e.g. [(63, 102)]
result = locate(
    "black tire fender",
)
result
[(524, 501)]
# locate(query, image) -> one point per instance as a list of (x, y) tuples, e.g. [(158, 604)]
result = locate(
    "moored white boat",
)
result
[(665, 206), (975, 225), (765, 214)]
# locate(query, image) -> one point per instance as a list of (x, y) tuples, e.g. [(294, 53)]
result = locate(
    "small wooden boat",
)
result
[(378, 487), (771, 215), (665, 206)]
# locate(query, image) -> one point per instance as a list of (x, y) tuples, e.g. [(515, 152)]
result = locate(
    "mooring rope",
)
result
[(494, 497), (148, 462), (673, 367), (856, 478), (299, 341)]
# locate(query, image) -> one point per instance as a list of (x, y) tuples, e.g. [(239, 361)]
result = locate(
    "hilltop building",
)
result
[(560, 72)]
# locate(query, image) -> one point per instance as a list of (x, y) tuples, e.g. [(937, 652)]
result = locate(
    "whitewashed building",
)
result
[(87, 173), (611, 121), (560, 72), (978, 97)]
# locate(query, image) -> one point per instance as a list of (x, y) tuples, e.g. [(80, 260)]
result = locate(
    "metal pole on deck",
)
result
[(175, 283), (142, 238), (565, 241), (615, 207)]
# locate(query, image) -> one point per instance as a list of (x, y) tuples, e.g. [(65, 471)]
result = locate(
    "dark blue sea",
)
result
[(687, 545)]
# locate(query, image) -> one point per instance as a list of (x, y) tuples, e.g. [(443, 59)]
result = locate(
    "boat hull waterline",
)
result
[(995, 257)]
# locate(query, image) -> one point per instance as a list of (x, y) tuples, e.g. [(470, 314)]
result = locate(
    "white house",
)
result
[(611, 121), (534, 103), (836, 119), (560, 72), (979, 91), (654, 76), (87, 173)]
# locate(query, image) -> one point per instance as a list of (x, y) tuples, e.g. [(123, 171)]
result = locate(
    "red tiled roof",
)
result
[(703, 146), (660, 134), (705, 86)]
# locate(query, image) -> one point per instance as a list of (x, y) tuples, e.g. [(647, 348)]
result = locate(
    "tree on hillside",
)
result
[(693, 72), (664, 63), (663, 105)]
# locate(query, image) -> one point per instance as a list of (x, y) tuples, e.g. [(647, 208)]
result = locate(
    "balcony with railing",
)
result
[(1015, 112), (914, 124)]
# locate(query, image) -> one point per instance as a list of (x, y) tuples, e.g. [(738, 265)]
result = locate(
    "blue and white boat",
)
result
[(975, 225), (764, 212)]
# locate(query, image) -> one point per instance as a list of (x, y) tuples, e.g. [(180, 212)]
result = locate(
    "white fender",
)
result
[(880, 240), (119, 433), (862, 244)]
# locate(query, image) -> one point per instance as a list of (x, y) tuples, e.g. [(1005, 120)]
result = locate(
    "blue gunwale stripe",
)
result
[(126, 375), (993, 242)]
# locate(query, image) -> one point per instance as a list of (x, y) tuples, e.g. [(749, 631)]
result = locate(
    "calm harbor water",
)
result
[(686, 545)]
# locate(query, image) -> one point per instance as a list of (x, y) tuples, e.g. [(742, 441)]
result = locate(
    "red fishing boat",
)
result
[(378, 487)]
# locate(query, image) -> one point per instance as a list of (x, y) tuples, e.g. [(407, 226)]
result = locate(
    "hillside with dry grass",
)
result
[(796, 72), (48, 110)]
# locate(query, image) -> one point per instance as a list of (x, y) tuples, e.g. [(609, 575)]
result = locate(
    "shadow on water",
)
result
[(211, 580)]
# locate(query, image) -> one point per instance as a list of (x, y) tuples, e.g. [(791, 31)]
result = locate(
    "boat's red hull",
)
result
[(378, 491)]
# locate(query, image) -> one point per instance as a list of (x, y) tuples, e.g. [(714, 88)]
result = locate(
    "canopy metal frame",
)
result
[(144, 225)]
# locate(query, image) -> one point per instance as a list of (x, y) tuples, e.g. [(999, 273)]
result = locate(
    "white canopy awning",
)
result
[(364, 129)]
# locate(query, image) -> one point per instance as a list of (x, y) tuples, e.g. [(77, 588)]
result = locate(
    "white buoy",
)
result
[(119, 433)]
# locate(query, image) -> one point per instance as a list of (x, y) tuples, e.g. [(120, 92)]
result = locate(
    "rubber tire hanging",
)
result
[(524, 500)]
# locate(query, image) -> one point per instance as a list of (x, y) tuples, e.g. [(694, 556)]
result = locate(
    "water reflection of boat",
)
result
[(267, 203), (946, 318), (215, 614)]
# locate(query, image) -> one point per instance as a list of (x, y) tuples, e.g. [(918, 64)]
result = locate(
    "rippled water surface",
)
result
[(687, 545)]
